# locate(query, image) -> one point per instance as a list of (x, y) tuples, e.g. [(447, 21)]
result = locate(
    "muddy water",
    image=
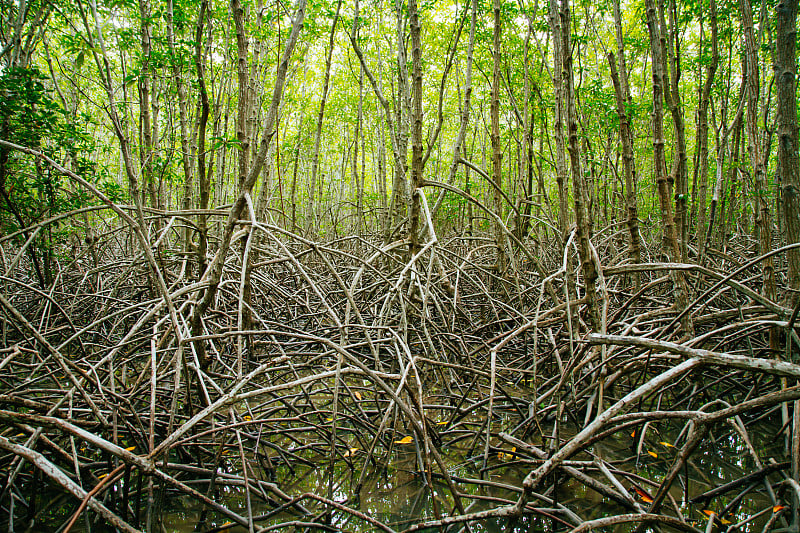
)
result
[(397, 495)]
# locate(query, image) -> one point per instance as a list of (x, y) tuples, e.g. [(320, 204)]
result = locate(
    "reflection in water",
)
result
[(397, 495)]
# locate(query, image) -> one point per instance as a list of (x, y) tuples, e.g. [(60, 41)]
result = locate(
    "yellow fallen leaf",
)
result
[(357, 395), (712, 514), (247, 417), (130, 448), (643, 495), (101, 476), (442, 423), (652, 454), (506, 456), (667, 444), (778, 508), (21, 435), (351, 452), (329, 419), (405, 440), (633, 434)]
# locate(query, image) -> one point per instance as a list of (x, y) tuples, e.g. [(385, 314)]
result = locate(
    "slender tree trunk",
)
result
[(702, 132), (312, 193), (670, 44), (177, 74), (763, 218), (583, 229), (628, 166), (458, 145), (203, 174), (416, 130), (786, 81), (146, 151), (669, 243), (558, 118), (357, 135), (214, 273), (497, 156), (403, 116)]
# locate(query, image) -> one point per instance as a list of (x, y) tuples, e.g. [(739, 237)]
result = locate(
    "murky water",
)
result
[(398, 496)]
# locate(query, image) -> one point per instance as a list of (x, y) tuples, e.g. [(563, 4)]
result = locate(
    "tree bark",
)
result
[(702, 132), (416, 130), (213, 274), (203, 175), (558, 118), (754, 148), (312, 193), (628, 164), (583, 230), (786, 81), (177, 74), (497, 156)]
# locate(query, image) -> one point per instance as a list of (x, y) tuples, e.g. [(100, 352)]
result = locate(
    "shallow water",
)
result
[(397, 495)]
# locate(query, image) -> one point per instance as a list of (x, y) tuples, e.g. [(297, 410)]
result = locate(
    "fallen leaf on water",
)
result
[(405, 440), (643, 495), (351, 452), (667, 444), (652, 454), (506, 456), (712, 514)]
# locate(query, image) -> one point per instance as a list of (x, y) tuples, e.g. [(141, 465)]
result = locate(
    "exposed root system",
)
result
[(348, 354)]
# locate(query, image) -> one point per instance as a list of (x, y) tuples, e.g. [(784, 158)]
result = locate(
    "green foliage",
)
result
[(32, 191)]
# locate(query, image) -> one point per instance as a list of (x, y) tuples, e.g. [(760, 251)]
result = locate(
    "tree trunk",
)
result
[(763, 217), (786, 81), (672, 96), (628, 164), (702, 132), (177, 74), (214, 273), (583, 230), (669, 243), (312, 193), (558, 118), (146, 150), (416, 130), (497, 156), (203, 175)]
